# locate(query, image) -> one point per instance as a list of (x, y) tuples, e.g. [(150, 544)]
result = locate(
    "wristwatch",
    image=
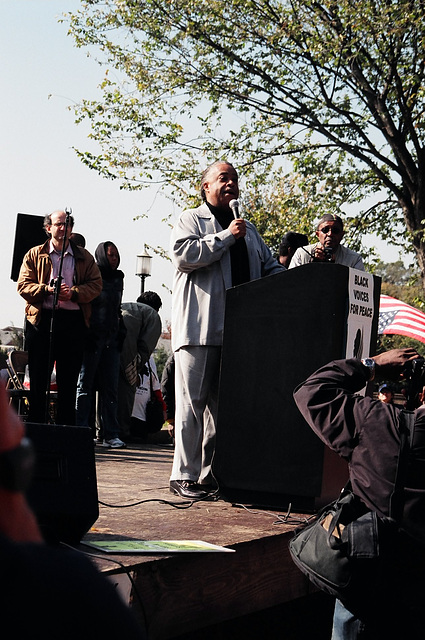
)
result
[(17, 466), (370, 364)]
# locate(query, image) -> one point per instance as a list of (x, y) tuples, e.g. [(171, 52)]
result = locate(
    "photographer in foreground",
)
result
[(365, 432), (49, 591)]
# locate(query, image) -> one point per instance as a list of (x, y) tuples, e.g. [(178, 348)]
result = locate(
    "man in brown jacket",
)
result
[(57, 315)]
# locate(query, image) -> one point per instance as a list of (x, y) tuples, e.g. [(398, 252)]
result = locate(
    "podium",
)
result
[(278, 330)]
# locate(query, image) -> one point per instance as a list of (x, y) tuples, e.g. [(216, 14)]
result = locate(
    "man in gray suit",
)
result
[(212, 250)]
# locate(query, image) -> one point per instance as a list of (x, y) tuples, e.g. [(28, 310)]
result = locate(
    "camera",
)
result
[(414, 369), (328, 251), (414, 374)]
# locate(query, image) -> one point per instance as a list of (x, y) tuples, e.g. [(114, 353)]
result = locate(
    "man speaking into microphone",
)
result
[(212, 249)]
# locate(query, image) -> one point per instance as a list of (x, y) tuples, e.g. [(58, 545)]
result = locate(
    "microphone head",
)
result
[(68, 210), (234, 205)]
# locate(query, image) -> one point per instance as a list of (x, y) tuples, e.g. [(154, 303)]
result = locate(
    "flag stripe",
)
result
[(397, 317), (386, 302)]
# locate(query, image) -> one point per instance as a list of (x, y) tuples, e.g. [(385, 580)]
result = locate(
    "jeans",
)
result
[(345, 625), (100, 370)]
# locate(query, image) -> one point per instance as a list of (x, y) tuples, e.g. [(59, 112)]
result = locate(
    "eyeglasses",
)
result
[(333, 230), (59, 224)]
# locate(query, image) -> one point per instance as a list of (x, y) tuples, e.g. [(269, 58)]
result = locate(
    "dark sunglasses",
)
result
[(333, 230)]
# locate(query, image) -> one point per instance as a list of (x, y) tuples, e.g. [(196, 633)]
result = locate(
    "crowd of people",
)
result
[(77, 324), (100, 347), (76, 319)]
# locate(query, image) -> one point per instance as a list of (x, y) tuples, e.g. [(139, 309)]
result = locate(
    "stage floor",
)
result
[(255, 590)]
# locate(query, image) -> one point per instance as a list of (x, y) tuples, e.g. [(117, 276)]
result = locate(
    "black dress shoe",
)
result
[(187, 489)]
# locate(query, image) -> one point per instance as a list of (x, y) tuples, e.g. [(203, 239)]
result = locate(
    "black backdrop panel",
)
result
[(29, 233), (278, 330), (63, 493)]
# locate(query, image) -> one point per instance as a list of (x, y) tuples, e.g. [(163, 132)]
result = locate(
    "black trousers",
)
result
[(64, 339)]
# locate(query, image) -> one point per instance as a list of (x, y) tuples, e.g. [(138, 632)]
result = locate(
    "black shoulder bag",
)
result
[(341, 550)]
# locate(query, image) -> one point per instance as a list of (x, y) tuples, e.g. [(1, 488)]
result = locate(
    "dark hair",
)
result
[(293, 240), (48, 220), (207, 171), (78, 239), (150, 298)]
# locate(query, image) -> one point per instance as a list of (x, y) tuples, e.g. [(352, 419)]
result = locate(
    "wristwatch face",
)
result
[(370, 364)]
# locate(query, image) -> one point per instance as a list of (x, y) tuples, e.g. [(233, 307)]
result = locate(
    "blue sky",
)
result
[(39, 170)]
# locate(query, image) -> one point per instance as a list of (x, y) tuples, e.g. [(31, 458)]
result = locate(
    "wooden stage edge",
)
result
[(208, 595)]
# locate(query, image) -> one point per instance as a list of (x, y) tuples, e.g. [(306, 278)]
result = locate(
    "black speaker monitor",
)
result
[(29, 233), (63, 493)]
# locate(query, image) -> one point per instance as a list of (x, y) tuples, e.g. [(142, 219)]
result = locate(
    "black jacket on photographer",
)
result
[(364, 432)]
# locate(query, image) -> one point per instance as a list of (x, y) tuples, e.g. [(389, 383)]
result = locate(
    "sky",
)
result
[(39, 169)]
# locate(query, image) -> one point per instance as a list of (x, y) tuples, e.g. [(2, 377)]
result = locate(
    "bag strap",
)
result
[(406, 423), (150, 377)]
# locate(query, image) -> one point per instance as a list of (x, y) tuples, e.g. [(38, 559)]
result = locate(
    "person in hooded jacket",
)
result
[(101, 361)]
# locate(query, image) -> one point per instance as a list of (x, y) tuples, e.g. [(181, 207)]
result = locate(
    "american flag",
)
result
[(397, 317)]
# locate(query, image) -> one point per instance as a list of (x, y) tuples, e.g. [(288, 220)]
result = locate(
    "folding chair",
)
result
[(4, 371), (16, 362)]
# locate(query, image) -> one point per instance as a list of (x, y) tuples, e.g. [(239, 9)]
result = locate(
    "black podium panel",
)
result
[(279, 330), (63, 493), (29, 233)]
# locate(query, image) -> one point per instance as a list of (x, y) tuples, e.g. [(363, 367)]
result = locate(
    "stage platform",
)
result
[(257, 590)]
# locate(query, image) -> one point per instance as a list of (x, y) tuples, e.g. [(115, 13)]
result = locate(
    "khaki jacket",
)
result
[(34, 277)]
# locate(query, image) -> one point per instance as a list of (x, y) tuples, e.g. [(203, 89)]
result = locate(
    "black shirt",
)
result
[(238, 251)]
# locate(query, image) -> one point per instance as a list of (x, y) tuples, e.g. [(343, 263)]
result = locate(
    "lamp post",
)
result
[(143, 268)]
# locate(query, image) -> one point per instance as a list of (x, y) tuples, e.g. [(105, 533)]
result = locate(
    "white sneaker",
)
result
[(115, 443)]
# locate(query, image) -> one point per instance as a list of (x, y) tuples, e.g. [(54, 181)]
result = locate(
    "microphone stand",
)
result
[(308, 252), (57, 285)]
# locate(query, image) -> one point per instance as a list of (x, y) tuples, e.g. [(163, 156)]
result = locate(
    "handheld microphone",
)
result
[(234, 205)]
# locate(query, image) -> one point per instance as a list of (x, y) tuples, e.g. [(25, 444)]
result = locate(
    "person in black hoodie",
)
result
[(101, 362)]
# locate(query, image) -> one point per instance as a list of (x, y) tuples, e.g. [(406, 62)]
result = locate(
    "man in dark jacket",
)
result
[(365, 432)]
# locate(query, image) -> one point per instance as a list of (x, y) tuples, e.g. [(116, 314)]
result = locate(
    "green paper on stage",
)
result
[(155, 546)]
